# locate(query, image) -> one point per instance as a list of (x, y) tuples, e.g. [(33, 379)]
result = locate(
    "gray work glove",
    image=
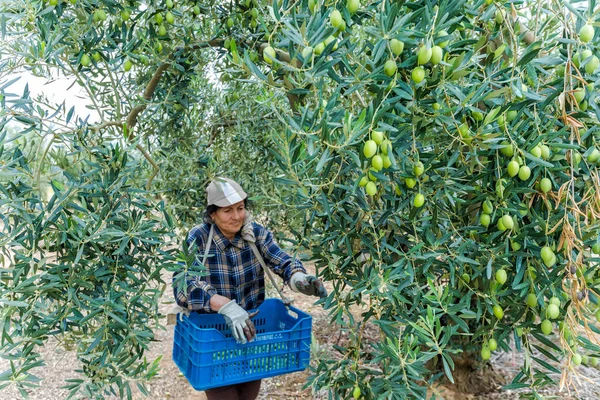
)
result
[(308, 284), (238, 321)]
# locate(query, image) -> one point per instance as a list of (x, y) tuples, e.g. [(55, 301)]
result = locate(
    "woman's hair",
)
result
[(211, 209)]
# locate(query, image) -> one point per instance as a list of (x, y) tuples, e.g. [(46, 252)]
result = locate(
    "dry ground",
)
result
[(169, 384)]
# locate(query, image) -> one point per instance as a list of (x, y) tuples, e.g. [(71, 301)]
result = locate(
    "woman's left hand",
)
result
[(309, 285)]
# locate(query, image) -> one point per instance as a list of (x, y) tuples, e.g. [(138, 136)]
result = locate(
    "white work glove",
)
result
[(238, 321), (307, 284)]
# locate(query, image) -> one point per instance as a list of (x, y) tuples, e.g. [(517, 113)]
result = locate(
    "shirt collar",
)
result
[(222, 242)]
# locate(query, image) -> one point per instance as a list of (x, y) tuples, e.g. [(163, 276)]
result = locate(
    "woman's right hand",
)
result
[(238, 321)]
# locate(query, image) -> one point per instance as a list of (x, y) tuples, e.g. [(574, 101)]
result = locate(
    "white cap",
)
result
[(224, 192)]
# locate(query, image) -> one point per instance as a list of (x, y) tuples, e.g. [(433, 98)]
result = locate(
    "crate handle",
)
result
[(293, 313)]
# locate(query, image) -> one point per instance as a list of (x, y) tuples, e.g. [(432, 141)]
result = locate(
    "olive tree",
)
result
[(444, 155), (438, 159), (92, 203)]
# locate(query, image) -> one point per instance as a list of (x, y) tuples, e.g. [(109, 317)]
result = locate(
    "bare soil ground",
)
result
[(170, 384)]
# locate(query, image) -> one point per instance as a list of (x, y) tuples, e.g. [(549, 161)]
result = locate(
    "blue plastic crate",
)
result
[(209, 357)]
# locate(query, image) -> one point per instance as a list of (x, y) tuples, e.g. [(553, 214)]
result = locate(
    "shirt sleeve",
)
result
[(196, 293), (278, 260)]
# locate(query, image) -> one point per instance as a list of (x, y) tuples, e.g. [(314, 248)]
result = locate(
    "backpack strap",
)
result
[(286, 301), (211, 233)]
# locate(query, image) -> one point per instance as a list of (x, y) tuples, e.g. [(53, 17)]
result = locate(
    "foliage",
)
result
[(93, 194), (194, 152), (480, 187), (410, 246), (84, 266)]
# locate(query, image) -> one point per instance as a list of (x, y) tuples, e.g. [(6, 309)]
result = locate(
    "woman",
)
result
[(235, 280)]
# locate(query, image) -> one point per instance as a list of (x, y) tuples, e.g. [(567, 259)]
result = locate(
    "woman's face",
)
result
[(230, 219)]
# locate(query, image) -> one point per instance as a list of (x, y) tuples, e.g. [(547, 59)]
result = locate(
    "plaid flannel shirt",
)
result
[(233, 270)]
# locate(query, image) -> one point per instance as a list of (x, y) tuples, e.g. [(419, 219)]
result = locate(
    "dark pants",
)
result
[(241, 391)]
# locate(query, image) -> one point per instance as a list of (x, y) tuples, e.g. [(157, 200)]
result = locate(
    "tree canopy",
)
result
[(438, 160)]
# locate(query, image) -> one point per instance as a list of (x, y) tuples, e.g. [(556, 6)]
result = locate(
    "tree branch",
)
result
[(151, 87), (281, 55), (284, 56), (107, 124), (151, 161), (217, 42), (148, 92), (135, 111)]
